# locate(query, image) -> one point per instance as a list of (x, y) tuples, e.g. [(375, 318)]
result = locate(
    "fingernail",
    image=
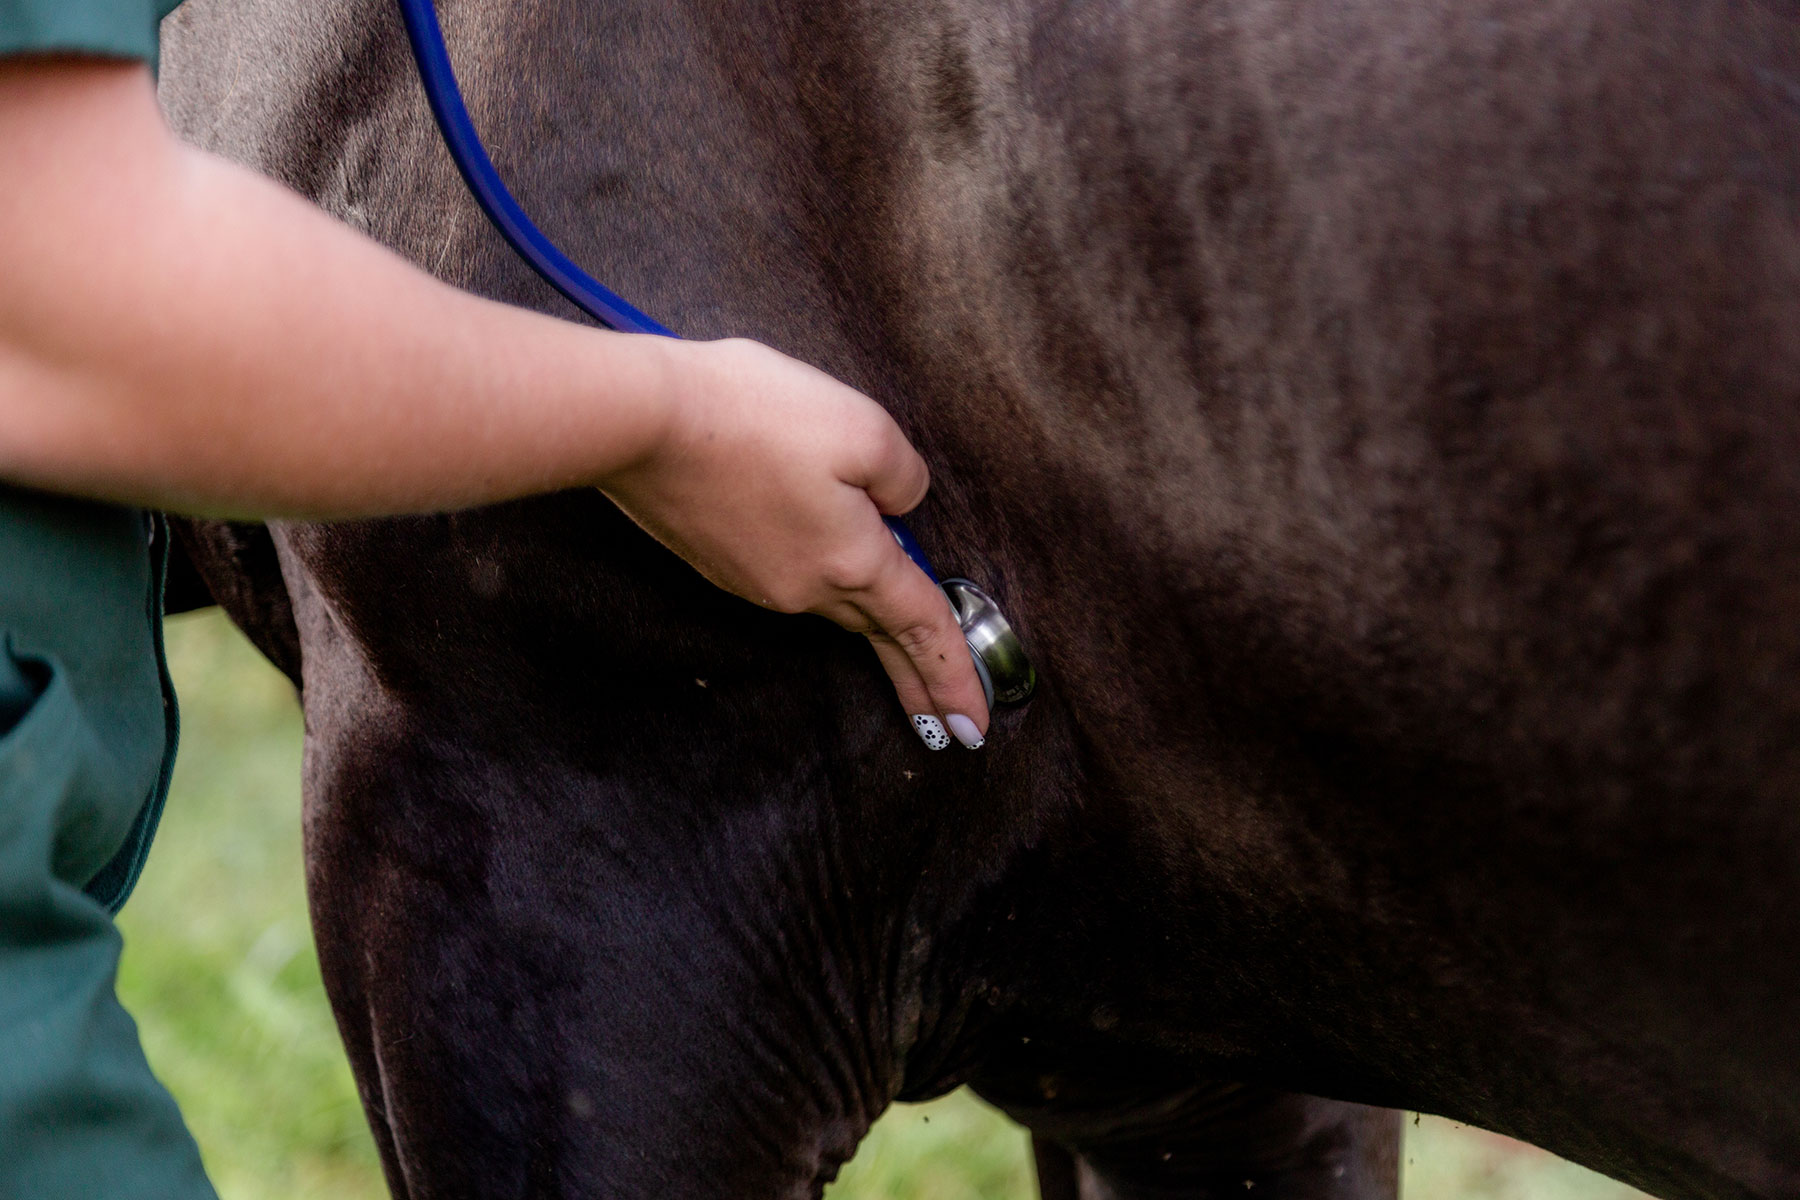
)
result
[(965, 731), (931, 731)]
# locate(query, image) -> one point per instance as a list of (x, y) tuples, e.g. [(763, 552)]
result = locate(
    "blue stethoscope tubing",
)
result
[(471, 157), (559, 271)]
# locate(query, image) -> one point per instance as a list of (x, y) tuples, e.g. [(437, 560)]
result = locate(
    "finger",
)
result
[(894, 474), (909, 685), (909, 609)]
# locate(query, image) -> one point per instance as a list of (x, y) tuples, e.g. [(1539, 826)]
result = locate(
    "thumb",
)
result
[(893, 473)]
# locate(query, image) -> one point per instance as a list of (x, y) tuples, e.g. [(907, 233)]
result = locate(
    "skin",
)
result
[(1382, 420), (181, 333)]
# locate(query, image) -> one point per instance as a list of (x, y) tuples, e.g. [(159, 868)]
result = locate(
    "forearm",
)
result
[(186, 334)]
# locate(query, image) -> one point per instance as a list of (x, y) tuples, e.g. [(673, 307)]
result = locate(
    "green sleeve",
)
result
[(117, 28), (81, 1115)]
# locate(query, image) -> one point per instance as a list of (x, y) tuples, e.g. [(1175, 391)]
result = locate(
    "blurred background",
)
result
[(220, 973)]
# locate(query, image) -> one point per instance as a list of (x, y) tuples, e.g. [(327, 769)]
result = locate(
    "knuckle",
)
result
[(852, 570), (789, 598), (876, 437), (920, 641)]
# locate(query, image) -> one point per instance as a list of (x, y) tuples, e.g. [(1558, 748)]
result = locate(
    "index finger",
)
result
[(915, 615)]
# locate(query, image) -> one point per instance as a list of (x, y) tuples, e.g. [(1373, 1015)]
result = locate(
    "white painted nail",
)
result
[(931, 731), (965, 731)]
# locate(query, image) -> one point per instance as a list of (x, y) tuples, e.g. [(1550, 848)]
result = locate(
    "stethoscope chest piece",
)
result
[(1006, 673)]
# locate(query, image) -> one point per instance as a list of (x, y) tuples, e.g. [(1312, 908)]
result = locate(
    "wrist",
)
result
[(680, 376), (641, 380)]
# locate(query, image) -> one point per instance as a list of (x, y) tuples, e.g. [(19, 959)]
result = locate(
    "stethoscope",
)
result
[(1006, 673)]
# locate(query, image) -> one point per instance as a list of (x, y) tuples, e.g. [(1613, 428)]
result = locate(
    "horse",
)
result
[(1381, 421)]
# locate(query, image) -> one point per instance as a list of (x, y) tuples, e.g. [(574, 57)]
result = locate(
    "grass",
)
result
[(219, 970), (219, 966)]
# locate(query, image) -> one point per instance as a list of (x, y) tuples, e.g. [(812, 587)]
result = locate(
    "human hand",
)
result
[(771, 479)]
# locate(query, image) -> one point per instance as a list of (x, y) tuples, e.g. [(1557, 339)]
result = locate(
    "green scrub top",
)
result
[(115, 28), (87, 739)]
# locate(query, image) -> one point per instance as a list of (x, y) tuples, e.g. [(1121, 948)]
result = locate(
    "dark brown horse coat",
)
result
[(1382, 418)]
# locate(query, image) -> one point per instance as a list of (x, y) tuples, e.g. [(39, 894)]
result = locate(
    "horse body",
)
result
[(1380, 420)]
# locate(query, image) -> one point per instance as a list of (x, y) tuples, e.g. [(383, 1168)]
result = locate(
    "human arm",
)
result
[(178, 332)]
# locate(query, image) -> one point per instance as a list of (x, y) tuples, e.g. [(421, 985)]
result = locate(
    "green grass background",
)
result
[(220, 972)]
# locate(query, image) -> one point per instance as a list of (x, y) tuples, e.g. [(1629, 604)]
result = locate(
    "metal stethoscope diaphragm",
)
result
[(1007, 675)]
